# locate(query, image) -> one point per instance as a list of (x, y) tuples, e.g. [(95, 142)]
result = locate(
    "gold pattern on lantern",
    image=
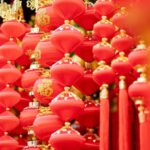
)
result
[(105, 20), (121, 58), (102, 66), (104, 92), (45, 110), (42, 18), (44, 88), (141, 114), (122, 84)]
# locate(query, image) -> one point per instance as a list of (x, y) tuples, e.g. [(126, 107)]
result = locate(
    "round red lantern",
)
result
[(3, 38), (47, 18), (45, 124), (123, 42), (66, 71), (9, 97), (67, 138), (138, 57), (85, 49), (46, 53), (91, 141), (90, 116), (13, 28), (10, 50), (104, 74), (121, 65), (104, 28), (88, 18), (69, 9), (104, 7), (7, 142), (87, 79), (30, 41), (8, 121), (9, 74), (67, 105), (45, 89), (67, 38), (28, 115), (103, 51)]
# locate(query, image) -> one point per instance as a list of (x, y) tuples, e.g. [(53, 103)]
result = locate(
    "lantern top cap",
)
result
[(67, 124)]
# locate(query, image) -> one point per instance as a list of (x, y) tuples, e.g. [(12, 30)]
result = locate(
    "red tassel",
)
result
[(104, 118), (124, 117)]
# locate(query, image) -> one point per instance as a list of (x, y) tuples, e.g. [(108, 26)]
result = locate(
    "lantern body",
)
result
[(67, 38), (45, 124), (66, 71), (48, 53), (45, 89), (10, 50), (13, 28), (69, 9), (3, 38), (67, 105)]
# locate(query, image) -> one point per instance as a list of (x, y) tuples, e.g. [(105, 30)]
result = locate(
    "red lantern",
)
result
[(3, 38), (9, 97), (67, 138), (7, 142), (10, 50), (13, 28), (104, 28), (123, 42), (90, 116), (103, 74), (30, 41), (29, 77), (138, 57), (87, 79), (47, 18), (88, 18), (92, 141), (67, 105), (66, 71), (85, 49), (104, 7), (45, 124), (8, 121), (103, 51), (121, 65), (9, 74), (45, 89), (47, 54), (28, 115), (69, 9), (67, 38)]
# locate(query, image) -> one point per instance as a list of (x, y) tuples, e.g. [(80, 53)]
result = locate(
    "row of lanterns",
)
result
[(38, 76)]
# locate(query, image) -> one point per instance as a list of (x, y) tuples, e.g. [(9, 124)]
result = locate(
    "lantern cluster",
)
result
[(61, 81)]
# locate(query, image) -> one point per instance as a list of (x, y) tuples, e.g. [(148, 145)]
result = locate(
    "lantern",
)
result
[(47, 18), (68, 138), (67, 38), (90, 116), (104, 28), (104, 7), (11, 51), (88, 18), (9, 97), (66, 71), (45, 89), (47, 54), (8, 121), (84, 51), (103, 51), (67, 105), (13, 28), (69, 9), (6, 142), (46, 123)]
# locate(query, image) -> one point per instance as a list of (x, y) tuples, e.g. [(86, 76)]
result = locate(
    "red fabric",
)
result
[(124, 123), (145, 135), (104, 125)]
